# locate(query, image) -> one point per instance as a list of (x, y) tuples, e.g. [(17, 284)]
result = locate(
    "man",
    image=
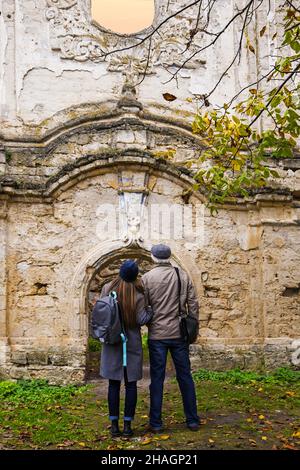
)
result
[(161, 288)]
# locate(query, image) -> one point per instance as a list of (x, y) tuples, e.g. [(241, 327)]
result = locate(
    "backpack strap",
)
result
[(123, 334), (180, 314)]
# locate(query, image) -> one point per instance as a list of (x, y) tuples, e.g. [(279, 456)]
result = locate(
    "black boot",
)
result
[(128, 432), (114, 430)]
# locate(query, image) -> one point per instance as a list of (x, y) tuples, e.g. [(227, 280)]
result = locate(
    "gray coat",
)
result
[(111, 366)]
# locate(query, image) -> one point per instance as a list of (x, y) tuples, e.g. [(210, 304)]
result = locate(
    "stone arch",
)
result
[(70, 176), (100, 255), (74, 304), (103, 254)]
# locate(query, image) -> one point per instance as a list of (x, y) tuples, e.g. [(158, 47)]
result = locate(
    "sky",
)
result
[(123, 16)]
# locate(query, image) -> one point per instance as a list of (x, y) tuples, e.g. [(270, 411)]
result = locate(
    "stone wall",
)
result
[(48, 47), (78, 133)]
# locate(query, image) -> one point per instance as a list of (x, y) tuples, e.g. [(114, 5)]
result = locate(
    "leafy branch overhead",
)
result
[(238, 150)]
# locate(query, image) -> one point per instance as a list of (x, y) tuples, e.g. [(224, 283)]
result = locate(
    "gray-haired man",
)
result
[(161, 286)]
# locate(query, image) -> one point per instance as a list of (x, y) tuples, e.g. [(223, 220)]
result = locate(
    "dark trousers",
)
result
[(114, 398), (158, 351)]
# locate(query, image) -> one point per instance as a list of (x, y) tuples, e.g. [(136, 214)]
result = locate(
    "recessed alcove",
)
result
[(123, 16)]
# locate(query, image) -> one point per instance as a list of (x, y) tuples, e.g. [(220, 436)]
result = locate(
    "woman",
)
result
[(130, 296)]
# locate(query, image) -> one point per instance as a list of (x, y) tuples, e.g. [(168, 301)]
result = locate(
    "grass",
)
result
[(94, 345), (282, 375), (238, 410)]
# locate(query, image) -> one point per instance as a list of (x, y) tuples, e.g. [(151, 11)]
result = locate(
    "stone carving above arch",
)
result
[(76, 37)]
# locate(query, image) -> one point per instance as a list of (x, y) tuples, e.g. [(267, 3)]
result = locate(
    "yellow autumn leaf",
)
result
[(296, 434), (114, 447), (164, 437), (82, 444), (249, 420), (261, 417), (146, 441), (264, 438), (145, 417), (211, 441), (260, 389), (236, 166), (290, 394)]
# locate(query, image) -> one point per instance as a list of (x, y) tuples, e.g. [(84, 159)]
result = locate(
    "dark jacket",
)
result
[(111, 366), (161, 288)]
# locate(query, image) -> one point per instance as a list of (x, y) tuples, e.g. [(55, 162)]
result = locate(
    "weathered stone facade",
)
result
[(74, 138)]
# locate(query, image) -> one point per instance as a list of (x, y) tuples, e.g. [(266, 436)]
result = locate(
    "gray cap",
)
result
[(161, 251)]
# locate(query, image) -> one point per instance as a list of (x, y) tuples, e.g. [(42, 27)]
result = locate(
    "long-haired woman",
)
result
[(135, 313)]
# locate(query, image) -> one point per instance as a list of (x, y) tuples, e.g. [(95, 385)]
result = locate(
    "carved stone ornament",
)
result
[(76, 37)]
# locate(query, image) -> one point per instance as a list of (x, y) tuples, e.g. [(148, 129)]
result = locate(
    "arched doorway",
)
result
[(98, 252), (107, 271)]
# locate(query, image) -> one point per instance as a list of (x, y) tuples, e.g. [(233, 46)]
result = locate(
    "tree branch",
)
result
[(288, 78), (238, 14)]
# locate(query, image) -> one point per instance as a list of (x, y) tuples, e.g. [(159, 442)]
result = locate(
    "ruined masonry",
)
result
[(77, 132)]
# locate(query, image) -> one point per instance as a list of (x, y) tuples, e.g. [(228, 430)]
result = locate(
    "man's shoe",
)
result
[(155, 430), (128, 432), (193, 427), (114, 430)]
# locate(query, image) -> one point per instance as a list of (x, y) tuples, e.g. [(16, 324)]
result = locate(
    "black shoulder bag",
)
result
[(189, 326)]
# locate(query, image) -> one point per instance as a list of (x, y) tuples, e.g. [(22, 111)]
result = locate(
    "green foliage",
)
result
[(145, 340), (94, 345), (167, 154), (237, 151), (37, 392), (281, 376), (8, 155)]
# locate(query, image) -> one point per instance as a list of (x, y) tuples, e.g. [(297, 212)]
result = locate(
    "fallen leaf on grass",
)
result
[(261, 417), (145, 417), (264, 438), (164, 437), (82, 444), (101, 438), (253, 442), (289, 446), (296, 434), (66, 444), (211, 441), (290, 394), (146, 441), (114, 447)]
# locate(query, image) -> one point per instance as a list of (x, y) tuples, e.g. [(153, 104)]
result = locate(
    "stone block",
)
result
[(19, 357), (37, 357)]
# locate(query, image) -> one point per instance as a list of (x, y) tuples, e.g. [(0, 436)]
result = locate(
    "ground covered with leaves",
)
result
[(239, 410)]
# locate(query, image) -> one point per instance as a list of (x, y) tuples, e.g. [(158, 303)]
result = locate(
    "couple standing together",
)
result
[(153, 301)]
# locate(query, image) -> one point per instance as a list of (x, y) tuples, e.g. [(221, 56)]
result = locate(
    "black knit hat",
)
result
[(129, 271)]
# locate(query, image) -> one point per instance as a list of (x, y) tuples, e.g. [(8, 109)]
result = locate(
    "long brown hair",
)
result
[(127, 298)]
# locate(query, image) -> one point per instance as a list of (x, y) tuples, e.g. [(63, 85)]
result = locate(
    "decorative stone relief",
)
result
[(133, 197), (77, 38)]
